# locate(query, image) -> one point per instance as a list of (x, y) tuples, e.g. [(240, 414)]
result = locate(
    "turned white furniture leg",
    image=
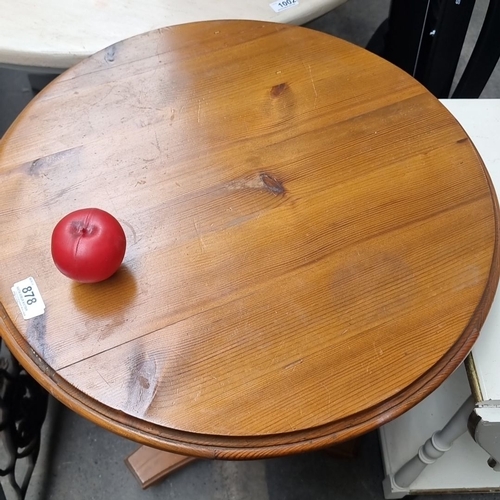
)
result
[(396, 486)]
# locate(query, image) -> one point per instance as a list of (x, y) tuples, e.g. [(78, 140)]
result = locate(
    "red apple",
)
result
[(88, 245)]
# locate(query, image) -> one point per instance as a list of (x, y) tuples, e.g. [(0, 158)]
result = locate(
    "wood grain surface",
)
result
[(312, 239)]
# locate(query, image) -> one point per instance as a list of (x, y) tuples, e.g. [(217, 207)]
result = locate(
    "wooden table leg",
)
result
[(150, 465), (347, 449)]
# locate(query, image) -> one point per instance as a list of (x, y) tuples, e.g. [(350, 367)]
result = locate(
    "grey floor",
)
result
[(82, 461)]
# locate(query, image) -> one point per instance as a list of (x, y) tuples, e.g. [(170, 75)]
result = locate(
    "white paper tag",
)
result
[(283, 5), (28, 298)]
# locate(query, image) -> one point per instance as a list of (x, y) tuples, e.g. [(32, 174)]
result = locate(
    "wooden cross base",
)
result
[(149, 465)]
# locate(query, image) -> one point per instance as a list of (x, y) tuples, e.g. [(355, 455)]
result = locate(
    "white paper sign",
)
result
[(283, 5), (28, 298)]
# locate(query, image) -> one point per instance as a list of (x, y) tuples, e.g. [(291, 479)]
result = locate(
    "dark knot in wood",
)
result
[(261, 182), (277, 90), (272, 184)]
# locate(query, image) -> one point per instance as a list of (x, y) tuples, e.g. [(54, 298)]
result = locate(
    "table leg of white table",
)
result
[(397, 485), (485, 429)]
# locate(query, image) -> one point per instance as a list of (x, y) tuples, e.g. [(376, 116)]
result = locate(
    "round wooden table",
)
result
[(312, 239)]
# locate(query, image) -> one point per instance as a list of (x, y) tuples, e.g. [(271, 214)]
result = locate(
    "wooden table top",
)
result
[(312, 239), (60, 33)]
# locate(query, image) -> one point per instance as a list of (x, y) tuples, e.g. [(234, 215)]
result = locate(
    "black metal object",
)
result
[(405, 32), (425, 38), (484, 57), (442, 41), (23, 406)]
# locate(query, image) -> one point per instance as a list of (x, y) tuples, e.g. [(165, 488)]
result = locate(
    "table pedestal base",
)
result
[(149, 465)]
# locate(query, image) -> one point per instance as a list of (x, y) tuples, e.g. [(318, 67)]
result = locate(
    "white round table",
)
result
[(56, 34)]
